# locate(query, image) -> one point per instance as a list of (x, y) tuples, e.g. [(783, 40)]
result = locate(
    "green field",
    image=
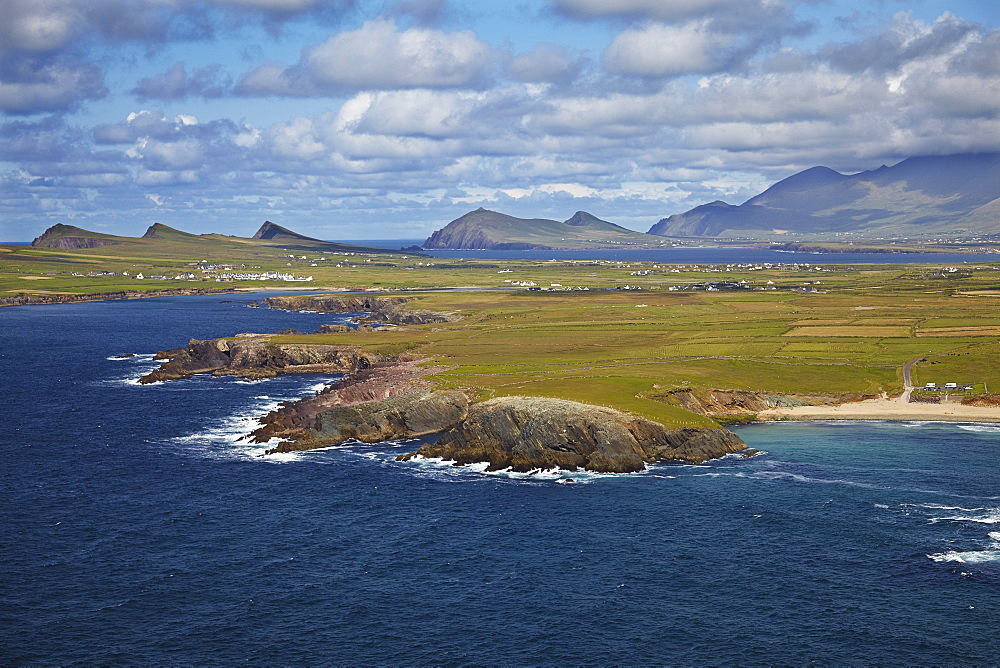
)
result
[(616, 347)]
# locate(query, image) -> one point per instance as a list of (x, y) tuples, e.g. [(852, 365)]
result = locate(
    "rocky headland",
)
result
[(529, 433), (32, 299), (390, 310), (255, 356)]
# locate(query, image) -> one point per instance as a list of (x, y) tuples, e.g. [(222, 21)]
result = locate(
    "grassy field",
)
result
[(852, 335)]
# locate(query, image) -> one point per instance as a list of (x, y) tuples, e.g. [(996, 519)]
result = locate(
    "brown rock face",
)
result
[(526, 433), (253, 356)]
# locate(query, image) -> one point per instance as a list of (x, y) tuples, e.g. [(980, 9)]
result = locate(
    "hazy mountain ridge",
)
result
[(921, 195)]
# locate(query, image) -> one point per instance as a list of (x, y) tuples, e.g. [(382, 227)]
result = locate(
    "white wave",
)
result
[(987, 518), (980, 428), (251, 381), (143, 357), (447, 467), (970, 557), (934, 506), (225, 438)]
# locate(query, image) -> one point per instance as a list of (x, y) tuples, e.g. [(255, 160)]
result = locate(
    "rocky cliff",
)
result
[(409, 415), (528, 433), (254, 356), (387, 400), (24, 299), (391, 310)]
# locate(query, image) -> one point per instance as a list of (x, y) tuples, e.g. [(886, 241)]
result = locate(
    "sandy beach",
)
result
[(887, 409)]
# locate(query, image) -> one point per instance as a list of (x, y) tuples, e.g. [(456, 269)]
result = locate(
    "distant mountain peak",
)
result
[(271, 230), (483, 228)]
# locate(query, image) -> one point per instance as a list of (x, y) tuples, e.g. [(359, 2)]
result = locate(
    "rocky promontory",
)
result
[(391, 310), (529, 433), (254, 356), (388, 400)]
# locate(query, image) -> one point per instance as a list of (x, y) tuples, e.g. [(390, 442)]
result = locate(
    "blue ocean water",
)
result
[(137, 529), (694, 255)]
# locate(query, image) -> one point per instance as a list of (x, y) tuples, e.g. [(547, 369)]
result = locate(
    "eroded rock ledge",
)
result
[(528, 433), (254, 356), (392, 310)]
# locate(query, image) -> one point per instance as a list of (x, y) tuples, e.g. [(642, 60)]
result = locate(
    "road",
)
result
[(907, 383)]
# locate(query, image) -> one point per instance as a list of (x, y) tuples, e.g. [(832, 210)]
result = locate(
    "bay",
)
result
[(138, 529)]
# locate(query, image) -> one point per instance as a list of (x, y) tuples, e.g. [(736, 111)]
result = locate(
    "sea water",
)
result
[(139, 528)]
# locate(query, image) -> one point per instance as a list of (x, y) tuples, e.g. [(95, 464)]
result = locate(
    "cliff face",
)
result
[(391, 310), (405, 416), (387, 400), (526, 433), (253, 356)]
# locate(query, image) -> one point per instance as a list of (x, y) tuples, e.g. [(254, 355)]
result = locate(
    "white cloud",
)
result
[(378, 56), (658, 50)]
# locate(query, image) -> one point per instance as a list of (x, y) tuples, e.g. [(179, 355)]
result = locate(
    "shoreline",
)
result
[(886, 410)]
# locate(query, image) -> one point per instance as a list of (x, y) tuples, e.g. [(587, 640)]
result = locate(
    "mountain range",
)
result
[(954, 194)]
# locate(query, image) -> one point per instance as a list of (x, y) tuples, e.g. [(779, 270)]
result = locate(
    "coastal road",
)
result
[(907, 383)]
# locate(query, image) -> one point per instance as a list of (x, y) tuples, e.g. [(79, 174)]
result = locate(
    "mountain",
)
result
[(272, 231), (922, 195), (483, 229), (167, 241), (70, 237)]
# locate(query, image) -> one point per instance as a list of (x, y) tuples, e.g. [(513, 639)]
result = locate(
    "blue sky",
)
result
[(349, 119)]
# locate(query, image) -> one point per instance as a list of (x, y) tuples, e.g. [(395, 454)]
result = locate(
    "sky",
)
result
[(385, 119)]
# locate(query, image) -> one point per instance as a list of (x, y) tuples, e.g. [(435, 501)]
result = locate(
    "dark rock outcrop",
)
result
[(392, 310), (405, 416), (387, 400), (526, 433), (254, 356)]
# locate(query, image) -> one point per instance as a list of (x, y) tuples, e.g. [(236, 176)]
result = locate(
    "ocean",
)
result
[(137, 528), (695, 255)]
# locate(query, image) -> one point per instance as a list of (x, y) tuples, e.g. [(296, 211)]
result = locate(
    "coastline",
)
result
[(886, 410)]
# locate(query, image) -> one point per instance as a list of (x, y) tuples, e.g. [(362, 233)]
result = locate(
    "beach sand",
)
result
[(886, 409)]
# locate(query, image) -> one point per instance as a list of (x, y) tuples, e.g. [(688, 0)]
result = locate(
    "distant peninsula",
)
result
[(491, 230), (162, 239)]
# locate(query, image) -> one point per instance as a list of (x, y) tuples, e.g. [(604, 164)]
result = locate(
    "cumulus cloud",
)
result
[(48, 60), (30, 86), (378, 56), (682, 109), (658, 50)]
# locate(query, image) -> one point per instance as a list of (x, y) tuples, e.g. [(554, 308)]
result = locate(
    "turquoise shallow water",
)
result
[(137, 528)]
